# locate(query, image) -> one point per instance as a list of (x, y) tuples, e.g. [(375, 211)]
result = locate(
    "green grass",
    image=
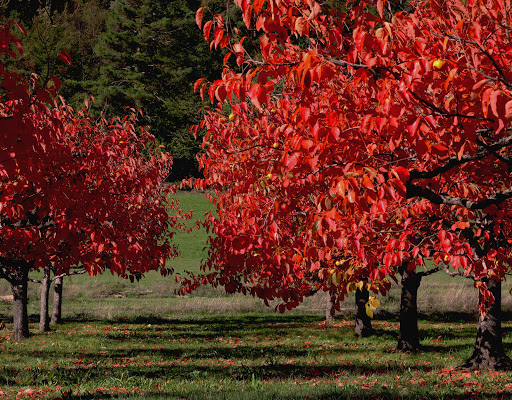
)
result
[(243, 356), (192, 243)]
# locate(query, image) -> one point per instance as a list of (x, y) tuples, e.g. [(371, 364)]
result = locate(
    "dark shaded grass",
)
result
[(236, 356)]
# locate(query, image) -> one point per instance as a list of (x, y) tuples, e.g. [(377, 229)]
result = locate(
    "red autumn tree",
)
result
[(359, 144), (76, 191)]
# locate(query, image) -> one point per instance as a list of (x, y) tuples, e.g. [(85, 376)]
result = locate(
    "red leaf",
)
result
[(247, 16), (257, 95), (199, 17), (508, 109), (367, 183), (402, 173), (413, 127), (221, 94), (65, 57), (493, 100), (291, 162), (197, 83), (258, 5), (206, 29), (218, 33)]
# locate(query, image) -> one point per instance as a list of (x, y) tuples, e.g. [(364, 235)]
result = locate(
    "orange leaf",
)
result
[(367, 183), (301, 25), (380, 8)]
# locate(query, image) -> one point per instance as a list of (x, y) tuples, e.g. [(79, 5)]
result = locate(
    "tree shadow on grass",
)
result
[(201, 319), (381, 393), (271, 368)]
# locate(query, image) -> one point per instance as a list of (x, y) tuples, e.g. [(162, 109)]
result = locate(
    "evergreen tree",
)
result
[(151, 53), (72, 26)]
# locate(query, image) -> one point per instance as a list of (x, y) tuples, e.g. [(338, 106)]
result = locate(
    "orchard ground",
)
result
[(141, 340)]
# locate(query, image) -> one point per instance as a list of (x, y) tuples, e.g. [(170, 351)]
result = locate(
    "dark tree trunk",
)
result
[(363, 323), (44, 319), (408, 338), (57, 300), (329, 309), (488, 352), (19, 286)]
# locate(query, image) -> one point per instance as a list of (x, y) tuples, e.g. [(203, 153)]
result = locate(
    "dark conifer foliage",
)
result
[(150, 54)]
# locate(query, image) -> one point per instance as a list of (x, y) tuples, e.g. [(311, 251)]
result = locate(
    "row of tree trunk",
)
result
[(19, 287), (488, 350)]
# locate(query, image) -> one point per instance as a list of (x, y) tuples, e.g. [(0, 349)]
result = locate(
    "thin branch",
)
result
[(444, 113), (430, 271), (344, 63), (80, 272), (459, 273), (246, 149)]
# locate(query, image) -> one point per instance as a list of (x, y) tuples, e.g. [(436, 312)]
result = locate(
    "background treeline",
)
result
[(125, 53)]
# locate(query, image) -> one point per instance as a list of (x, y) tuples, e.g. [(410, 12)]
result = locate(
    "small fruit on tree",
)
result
[(438, 64)]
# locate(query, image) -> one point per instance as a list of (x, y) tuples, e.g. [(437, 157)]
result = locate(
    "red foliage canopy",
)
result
[(358, 142), (74, 190)]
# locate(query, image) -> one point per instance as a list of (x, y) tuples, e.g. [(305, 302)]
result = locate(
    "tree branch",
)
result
[(483, 151), (444, 113), (430, 271), (80, 272), (436, 198)]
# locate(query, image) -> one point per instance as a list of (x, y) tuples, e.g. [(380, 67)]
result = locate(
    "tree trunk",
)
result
[(363, 323), (44, 319), (408, 338), (329, 309), (19, 286), (488, 352), (57, 300)]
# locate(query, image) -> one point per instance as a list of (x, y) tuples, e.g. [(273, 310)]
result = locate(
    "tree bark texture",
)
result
[(19, 286), (329, 309), (44, 319), (408, 338), (57, 300), (488, 351), (363, 323)]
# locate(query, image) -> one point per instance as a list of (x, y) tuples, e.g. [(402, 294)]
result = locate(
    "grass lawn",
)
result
[(142, 341), (242, 356)]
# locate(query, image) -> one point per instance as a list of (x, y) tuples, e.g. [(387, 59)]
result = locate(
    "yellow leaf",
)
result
[(336, 278), (360, 285), (369, 311), (373, 302)]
